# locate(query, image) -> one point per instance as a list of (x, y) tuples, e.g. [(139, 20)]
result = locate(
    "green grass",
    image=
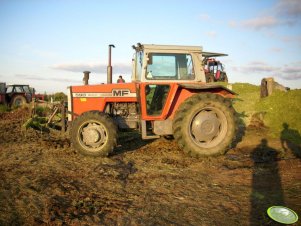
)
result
[(41, 111), (245, 102), (282, 110), (4, 108)]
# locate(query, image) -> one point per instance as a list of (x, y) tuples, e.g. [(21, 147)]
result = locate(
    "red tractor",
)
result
[(214, 69), (168, 95), (15, 95)]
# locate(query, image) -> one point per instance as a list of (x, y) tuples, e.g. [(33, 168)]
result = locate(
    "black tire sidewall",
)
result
[(225, 77), (195, 104), (102, 119), (18, 97), (211, 78)]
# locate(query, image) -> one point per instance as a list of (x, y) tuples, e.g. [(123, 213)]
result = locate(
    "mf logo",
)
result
[(120, 92)]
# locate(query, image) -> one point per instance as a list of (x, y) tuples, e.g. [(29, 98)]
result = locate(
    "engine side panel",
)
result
[(95, 97)]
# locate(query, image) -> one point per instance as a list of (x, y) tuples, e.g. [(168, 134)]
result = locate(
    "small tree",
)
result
[(60, 96), (46, 96)]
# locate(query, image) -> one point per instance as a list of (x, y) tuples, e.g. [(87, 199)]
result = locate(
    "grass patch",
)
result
[(4, 108), (245, 102), (282, 110), (283, 114), (41, 111)]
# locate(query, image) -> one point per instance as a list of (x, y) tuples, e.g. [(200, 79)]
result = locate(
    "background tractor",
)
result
[(15, 95), (18, 95), (214, 69), (168, 95)]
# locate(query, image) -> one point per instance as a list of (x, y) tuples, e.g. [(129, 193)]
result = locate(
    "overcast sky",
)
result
[(48, 44)]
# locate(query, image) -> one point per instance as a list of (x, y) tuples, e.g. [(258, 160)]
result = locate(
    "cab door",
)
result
[(156, 100), (160, 75)]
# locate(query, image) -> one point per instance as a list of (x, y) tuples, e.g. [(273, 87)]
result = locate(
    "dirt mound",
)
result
[(45, 182), (15, 115)]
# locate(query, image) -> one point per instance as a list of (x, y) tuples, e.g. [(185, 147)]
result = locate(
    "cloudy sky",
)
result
[(48, 44)]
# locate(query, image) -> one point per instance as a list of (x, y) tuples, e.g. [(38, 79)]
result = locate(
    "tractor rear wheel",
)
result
[(204, 125), (210, 78), (225, 77), (18, 101), (94, 133)]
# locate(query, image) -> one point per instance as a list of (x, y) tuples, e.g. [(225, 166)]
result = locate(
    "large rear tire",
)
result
[(225, 77), (210, 78), (18, 101), (94, 134), (204, 125)]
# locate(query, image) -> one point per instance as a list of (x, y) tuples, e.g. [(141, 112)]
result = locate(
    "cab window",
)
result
[(139, 62), (19, 89), (9, 89), (162, 66), (156, 95)]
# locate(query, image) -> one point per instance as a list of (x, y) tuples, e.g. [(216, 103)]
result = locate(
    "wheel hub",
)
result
[(93, 135), (205, 126)]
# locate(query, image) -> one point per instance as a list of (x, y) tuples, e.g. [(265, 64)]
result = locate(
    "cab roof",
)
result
[(168, 47), (199, 49), (210, 54)]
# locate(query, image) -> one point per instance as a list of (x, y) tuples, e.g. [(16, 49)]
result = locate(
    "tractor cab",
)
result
[(167, 63), (214, 69), (159, 69)]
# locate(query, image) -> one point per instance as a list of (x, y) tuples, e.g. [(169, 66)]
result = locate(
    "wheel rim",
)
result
[(92, 135), (18, 102), (208, 127)]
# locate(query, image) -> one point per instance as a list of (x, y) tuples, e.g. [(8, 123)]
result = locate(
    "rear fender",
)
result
[(186, 90), (210, 88)]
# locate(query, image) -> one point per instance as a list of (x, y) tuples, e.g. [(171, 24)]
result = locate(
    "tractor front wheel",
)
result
[(204, 125), (18, 101), (94, 133)]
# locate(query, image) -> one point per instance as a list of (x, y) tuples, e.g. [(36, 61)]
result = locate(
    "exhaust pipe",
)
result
[(86, 77), (109, 68)]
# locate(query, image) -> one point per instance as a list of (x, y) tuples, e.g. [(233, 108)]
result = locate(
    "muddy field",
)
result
[(43, 181)]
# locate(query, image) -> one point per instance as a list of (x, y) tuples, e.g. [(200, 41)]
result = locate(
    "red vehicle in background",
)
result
[(214, 69), (17, 95)]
